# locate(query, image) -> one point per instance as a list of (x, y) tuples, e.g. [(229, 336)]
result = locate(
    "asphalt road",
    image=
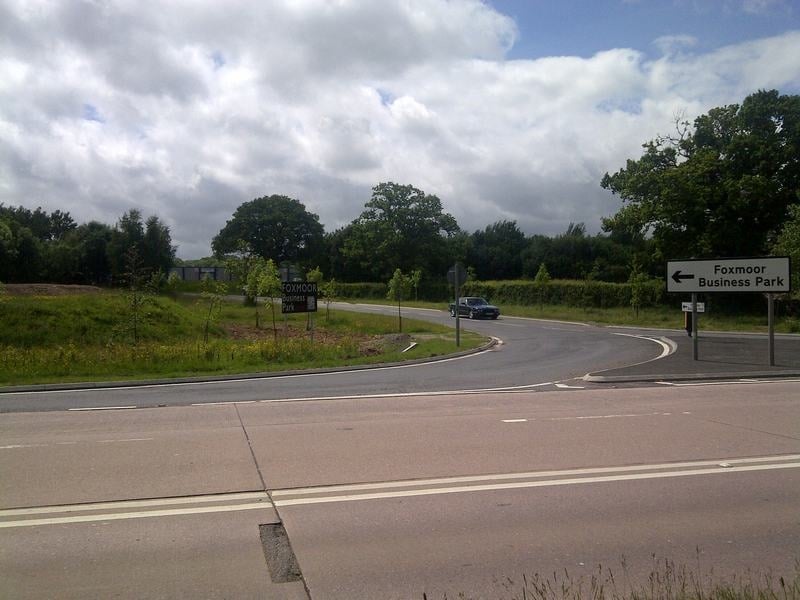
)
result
[(406, 489), (530, 353)]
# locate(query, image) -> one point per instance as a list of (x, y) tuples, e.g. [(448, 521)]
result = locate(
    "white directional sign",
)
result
[(687, 307), (769, 274)]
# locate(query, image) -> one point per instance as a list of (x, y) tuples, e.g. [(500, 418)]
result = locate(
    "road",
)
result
[(400, 495)]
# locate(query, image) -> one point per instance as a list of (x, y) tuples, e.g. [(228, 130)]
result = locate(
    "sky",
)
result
[(504, 109)]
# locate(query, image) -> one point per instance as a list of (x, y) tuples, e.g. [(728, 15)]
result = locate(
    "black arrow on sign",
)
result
[(677, 277)]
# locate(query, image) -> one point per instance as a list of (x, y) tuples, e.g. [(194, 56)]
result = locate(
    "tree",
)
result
[(400, 226), (213, 295), (788, 244), (399, 289), (415, 279), (93, 260), (330, 291), (496, 252), (541, 281), (128, 233), (158, 253), (720, 188), (638, 281), (273, 227)]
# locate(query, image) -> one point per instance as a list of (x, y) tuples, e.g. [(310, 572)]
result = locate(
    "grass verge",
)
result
[(666, 581), (89, 338)]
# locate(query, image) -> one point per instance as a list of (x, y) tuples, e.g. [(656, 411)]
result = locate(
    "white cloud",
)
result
[(201, 107)]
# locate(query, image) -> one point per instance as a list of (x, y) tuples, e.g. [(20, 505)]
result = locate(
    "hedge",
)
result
[(597, 294)]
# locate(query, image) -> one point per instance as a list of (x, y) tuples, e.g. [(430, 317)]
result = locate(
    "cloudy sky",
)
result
[(505, 109)]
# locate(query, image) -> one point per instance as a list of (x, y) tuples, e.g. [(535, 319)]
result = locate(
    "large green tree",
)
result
[(496, 252), (273, 227), (401, 227), (151, 239), (721, 187)]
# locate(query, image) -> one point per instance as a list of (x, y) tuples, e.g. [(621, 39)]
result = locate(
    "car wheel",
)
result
[(472, 314), (452, 313), (494, 317)]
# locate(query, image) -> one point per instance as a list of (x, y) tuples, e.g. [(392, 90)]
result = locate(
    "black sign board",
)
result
[(299, 297)]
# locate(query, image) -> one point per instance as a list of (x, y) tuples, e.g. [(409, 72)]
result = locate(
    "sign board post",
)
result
[(767, 274), (694, 326), (457, 276)]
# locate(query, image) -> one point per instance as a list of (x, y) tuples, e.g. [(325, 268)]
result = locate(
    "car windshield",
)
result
[(476, 301)]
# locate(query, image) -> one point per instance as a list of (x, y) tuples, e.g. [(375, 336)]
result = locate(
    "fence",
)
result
[(200, 273)]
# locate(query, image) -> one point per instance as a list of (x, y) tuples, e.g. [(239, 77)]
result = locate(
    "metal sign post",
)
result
[(771, 327), (694, 327), (457, 276)]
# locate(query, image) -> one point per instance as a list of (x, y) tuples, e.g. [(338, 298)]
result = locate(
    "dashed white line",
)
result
[(88, 408)]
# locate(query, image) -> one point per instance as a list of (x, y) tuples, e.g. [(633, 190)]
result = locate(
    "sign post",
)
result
[(694, 326), (767, 274), (771, 327), (457, 276)]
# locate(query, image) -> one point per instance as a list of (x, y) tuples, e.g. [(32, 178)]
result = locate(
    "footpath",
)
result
[(720, 356)]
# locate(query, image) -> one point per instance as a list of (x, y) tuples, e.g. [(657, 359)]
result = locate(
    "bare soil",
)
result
[(369, 345)]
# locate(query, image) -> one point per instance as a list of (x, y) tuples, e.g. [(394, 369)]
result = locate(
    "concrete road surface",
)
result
[(396, 497)]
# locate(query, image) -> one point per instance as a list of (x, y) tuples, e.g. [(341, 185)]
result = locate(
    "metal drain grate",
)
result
[(281, 561)]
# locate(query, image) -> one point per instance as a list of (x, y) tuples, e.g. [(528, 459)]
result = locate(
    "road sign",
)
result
[(769, 274), (299, 297), (687, 307), (457, 275)]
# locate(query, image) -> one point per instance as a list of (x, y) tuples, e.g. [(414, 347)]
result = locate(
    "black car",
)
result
[(474, 308)]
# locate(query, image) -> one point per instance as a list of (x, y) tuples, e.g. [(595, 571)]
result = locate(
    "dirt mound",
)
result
[(49, 289)]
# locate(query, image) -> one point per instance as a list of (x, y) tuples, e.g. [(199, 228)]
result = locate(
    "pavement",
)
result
[(720, 355)]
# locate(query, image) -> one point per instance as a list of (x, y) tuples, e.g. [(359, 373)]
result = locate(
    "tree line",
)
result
[(727, 184), (37, 246)]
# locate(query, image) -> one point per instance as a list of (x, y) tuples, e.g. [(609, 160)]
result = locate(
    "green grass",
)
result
[(89, 338), (661, 317)]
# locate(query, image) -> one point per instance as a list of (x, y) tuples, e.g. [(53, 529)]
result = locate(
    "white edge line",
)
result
[(530, 484), (530, 474), (134, 504), (134, 515)]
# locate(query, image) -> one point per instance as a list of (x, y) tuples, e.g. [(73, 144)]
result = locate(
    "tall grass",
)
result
[(666, 581), (84, 338)]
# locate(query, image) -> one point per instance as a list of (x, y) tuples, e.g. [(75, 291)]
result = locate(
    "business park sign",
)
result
[(769, 274)]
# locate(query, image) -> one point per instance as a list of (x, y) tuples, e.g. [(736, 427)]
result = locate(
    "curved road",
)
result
[(529, 354)]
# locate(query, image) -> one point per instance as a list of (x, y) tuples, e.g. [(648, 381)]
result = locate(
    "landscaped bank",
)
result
[(101, 335)]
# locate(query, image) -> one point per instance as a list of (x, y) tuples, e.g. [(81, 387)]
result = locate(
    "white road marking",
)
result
[(128, 504), (726, 382), (120, 441), (192, 505), (515, 420), (525, 475), (578, 476), (667, 345), (387, 395), (115, 511), (564, 386), (131, 515), (97, 407)]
